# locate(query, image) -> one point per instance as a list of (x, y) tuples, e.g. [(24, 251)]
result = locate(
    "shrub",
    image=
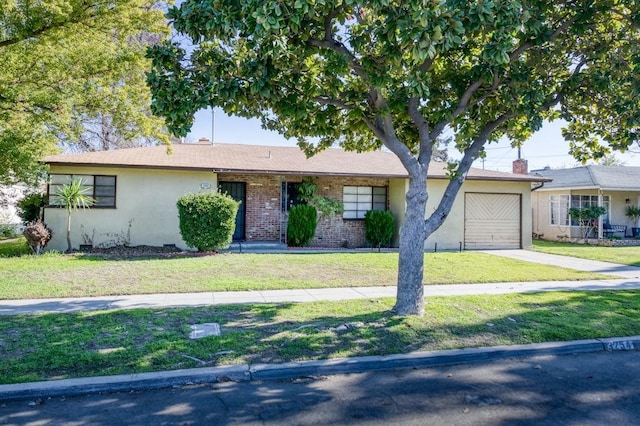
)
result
[(327, 206), (379, 226), (302, 225), (30, 206), (37, 235), (207, 220), (7, 230), (587, 218)]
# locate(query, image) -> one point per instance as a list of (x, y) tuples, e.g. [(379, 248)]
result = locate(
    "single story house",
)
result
[(136, 190), (612, 187)]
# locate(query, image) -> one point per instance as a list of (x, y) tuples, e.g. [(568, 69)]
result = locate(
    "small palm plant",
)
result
[(72, 196)]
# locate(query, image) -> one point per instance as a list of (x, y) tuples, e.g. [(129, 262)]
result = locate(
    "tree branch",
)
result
[(326, 100), (426, 146), (440, 214), (342, 50), (465, 100)]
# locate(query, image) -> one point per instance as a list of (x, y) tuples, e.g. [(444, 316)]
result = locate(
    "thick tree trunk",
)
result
[(410, 294)]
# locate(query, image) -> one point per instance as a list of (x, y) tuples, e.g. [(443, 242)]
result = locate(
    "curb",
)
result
[(291, 370)]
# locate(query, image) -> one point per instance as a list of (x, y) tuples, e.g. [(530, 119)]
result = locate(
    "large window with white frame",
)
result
[(559, 206), (358, 200), (102, 188), (559, 210)]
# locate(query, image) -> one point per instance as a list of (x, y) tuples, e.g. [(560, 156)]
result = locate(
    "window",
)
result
[(559, 207), (582, 201), (289, 197), (101, 188), (559, 210), (358, 200)]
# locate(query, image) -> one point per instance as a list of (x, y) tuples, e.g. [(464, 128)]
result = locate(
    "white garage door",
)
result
[(492, 221)]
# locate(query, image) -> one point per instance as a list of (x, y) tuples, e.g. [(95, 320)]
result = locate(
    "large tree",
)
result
[(69, 63), (399, 73)]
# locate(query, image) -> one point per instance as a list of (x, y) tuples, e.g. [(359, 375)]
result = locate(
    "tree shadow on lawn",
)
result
[(126, 341)]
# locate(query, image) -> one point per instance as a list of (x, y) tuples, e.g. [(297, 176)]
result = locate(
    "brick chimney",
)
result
[(521, 166), (203, 141)]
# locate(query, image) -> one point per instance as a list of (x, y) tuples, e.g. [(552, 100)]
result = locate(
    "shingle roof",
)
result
[(593, 176), (258, 159)]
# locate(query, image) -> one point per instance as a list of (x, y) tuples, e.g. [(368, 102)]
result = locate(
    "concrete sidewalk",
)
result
[(630, 279), (67, 305), (623, 271)]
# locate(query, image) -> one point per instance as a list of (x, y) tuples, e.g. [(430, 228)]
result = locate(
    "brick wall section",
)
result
[(263, 215)]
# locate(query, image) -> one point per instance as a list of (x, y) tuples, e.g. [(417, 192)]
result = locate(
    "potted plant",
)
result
[(633, 212)]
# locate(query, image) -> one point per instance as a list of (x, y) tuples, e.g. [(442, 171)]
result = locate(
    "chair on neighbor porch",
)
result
[(609, 230)]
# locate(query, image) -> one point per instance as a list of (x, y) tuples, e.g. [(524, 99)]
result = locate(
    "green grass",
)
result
[(58, 275), (622, 255), (56, 346), (14, 247)]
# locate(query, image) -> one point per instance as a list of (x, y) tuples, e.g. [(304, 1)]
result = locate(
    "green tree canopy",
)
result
[(400, 73), (69, 63)]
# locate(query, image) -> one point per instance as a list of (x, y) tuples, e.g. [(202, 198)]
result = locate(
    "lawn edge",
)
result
[(292, 370)]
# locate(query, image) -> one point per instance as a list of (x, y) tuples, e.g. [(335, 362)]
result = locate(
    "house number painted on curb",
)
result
[(620, 346)]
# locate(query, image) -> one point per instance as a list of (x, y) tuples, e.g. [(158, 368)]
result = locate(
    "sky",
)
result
[(545, 148)]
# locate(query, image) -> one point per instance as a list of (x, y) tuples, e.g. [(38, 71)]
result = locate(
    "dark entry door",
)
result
[(237, 191)]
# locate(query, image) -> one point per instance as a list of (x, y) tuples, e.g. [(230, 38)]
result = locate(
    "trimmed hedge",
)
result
[(379, 226), (301, 226), (207, 220)]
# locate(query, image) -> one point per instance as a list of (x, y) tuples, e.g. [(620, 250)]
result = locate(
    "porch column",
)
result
[(600, 204)]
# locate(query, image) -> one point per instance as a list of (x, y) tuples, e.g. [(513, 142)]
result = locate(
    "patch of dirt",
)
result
[(127, 252)]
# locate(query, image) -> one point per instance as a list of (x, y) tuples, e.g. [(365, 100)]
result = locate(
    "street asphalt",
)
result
[(629, 279)]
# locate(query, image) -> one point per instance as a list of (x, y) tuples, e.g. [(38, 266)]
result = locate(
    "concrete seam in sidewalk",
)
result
[(291, 370)]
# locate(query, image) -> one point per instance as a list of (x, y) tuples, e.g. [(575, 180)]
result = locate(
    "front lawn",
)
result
[(57, 275), (622, 255), (14, 247), (57, 346)]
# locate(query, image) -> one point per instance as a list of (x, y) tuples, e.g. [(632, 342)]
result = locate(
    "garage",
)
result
[(492, 221)]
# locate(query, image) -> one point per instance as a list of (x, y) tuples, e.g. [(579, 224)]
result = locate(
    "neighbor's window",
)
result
[(559, 210), (100, 187), (559, 207), (582, 201), (358, 200)]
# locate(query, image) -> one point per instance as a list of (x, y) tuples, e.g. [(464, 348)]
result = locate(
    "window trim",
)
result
[(569, 200), (372, 202), (93, 186)]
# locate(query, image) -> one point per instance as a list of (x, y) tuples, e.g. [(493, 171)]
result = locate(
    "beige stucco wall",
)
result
[(397, 190), (541, 219), (145, 212), (451, 233)]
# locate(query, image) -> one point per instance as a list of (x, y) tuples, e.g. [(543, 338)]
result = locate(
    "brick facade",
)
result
[(264, 219)]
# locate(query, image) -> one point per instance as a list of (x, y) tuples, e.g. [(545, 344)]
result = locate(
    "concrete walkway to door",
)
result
[(623, 271)]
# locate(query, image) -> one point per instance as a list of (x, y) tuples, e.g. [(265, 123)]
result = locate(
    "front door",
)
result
[(237, 191)]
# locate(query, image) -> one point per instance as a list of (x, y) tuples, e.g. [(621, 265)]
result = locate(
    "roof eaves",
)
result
[(566, 188), (130, 166), (613, 188), (508, 179), (307, 173)]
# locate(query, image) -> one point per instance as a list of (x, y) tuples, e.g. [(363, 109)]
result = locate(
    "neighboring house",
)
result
[(136, 190), (612, 187)]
